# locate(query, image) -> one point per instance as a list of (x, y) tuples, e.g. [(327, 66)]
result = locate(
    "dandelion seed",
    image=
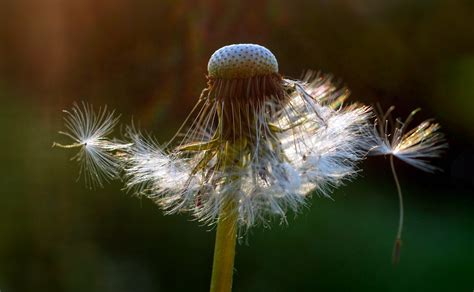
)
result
[(89, 132), (413, 147)]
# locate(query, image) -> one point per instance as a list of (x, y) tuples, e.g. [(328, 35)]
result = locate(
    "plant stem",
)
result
[(398, 239), (224, 251)]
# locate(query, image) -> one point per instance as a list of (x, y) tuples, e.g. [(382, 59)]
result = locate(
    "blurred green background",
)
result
[(147, 59)]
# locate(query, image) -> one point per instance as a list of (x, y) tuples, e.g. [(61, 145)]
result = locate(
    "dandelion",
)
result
[(413, 147), (256, 139), (253, 148), (89, 132), (255, 145)]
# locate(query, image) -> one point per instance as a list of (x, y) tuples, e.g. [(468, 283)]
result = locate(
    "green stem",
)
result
[(224, 251)]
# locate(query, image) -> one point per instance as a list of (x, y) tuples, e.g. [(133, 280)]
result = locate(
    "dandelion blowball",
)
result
[(242, 61), (255, 141), (254, 147)]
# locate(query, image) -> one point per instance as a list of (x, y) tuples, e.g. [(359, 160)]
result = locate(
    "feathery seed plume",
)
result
[(257, 139)]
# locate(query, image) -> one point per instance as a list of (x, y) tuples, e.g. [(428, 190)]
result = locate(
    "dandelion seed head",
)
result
[(242, 61), (254, 138), (263, 142)]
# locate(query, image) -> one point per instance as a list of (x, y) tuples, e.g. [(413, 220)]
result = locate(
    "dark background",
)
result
[(147, 59)]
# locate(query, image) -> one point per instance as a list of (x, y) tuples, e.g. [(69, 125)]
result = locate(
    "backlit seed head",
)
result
[(242, 61), (255, 145)]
